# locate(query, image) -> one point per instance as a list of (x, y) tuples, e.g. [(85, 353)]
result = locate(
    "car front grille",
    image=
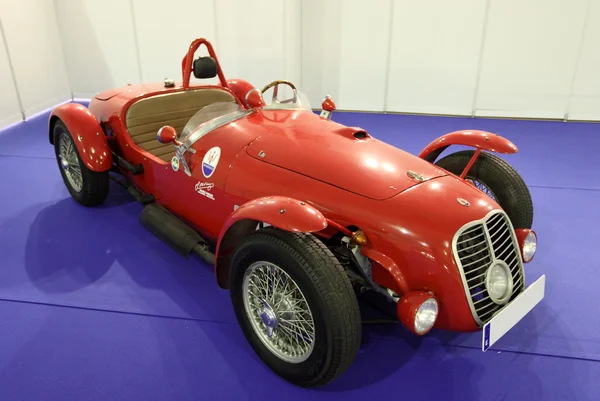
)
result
[(476, 246)]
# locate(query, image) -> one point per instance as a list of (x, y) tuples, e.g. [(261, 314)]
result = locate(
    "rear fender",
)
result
[(87, 134), (284, 213), (481, 140)]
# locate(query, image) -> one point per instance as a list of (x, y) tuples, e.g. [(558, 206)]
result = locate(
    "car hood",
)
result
[(346, 157)]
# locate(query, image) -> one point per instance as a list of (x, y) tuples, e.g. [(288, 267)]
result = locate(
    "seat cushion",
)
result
[(145, 117)]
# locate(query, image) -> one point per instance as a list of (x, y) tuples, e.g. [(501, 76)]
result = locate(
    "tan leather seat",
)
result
[(145, 117)]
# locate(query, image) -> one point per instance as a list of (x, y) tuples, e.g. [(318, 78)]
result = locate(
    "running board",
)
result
[(134, 169), (143, 199), (175, 233)]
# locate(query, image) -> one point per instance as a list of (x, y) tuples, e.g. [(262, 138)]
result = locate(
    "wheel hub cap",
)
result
[(278, 312), (63, 162), (268, 317)]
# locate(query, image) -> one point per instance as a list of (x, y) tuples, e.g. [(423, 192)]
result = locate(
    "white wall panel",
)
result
[(99, 42), (434, 55), (293, 41), (529, 57), (162, 45), (251, 40), (344, 52), (321, 57), (34, 45), (365, 39), (10, 110), (585, 99)]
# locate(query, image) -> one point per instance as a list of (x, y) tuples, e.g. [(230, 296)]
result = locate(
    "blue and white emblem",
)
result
[(210, 161), (175, 163)]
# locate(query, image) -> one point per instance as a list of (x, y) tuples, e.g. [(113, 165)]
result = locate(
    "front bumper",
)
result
[(509, 316)]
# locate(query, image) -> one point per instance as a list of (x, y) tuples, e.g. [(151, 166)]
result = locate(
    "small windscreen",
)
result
[(207, 114)]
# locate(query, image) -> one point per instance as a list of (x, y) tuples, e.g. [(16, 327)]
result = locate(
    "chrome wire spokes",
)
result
[(278, 312), (69, 162), (482, 187)]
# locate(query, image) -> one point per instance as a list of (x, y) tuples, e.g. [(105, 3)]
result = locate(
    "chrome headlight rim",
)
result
[(509, 282), (430, 302), (529, 244)]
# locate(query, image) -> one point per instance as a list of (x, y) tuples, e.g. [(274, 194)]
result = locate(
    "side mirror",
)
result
[(166, 134), (328, 107)]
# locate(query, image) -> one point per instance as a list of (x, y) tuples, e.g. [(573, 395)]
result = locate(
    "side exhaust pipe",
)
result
[(175, 233)]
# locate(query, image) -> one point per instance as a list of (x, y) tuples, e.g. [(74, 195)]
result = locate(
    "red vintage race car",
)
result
[(296, 212)]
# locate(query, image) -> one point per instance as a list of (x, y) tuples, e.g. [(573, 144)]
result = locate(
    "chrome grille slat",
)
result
[(501, 256), (472, 246), (473, 278), (495, 224), (478, 252), (487, 313), (493, 239), (472, 238), (468, 231), (481, 300), (469, 264), (502, 235), (503, 243)]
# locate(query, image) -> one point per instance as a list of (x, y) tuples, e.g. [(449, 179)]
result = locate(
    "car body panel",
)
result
[(303, 142), (482, 140), (88, 136)]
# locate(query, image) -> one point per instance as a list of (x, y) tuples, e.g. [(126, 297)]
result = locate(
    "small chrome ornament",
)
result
[(415, 176), (261, 154), (169, 83), (463, 202)]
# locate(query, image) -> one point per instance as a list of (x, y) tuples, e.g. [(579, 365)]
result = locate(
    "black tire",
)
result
[(94, 187), (507, 186), (327, 291)]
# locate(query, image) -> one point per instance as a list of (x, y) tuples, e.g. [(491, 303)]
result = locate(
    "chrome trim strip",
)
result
[(212, 125), (482, 222)]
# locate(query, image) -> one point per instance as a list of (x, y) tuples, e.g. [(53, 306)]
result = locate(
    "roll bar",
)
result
[(188, 59)]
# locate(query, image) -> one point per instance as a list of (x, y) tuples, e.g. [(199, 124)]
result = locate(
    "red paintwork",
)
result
[(470, 163), (408, 306), (248, 94), (328, 104), (281, 212), (479, 139), (275, 159), (87, 134), (521, 234)]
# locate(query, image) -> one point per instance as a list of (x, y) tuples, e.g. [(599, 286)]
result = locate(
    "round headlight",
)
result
[(529, 247), (498, 283), (426, 315)]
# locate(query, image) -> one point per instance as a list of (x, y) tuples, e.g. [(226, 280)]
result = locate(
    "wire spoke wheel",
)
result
[(496, 179), (69, 161), (278, 312), (482, 187)]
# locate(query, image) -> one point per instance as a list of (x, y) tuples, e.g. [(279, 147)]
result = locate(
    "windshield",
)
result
[(207, 116), (218, 114), (284, 99)]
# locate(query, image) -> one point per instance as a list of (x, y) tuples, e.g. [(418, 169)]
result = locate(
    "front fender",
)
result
[(87, 134), (478, 139), (278, 211)]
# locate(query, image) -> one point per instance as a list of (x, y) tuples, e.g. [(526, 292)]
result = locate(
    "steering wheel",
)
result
[(276, 90)]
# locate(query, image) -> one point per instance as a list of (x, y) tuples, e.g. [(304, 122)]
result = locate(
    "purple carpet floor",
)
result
[(93, 307)]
